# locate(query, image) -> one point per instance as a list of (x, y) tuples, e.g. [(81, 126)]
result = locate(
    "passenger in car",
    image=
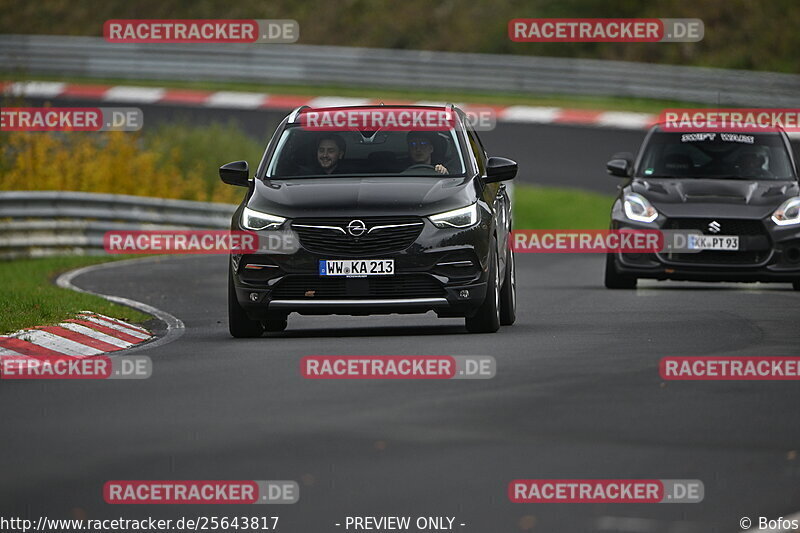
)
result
[(329, 153)]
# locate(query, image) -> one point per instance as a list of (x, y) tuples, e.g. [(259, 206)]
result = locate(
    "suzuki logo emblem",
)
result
[(356, 228), (714, 227)]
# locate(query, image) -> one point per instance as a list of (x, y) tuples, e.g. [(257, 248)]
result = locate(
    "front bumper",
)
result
[(771, 256), (442, 270)]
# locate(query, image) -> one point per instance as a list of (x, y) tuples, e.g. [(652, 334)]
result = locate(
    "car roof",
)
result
[(295, 114), (660, 127)]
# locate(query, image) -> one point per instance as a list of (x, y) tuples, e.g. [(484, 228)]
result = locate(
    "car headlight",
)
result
[(463, 217), (788, 213), (638, 208), (256, 220)]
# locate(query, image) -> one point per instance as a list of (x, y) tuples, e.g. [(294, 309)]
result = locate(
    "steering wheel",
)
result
[(421, 165)]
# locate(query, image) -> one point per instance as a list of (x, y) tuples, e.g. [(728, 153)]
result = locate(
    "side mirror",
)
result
[(621, 165), (500, 169), (236, 173)]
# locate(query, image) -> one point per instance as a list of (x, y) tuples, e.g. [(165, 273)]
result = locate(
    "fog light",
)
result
[(463, 294), (253, 296)]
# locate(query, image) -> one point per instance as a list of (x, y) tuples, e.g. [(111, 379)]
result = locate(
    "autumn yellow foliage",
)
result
[(109, 162)]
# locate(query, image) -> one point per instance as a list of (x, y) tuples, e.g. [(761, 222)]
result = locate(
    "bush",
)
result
[(176, 161)]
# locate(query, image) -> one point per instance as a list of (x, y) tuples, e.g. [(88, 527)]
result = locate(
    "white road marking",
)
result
[(36, 89), (118, 321), (624, 119), (175, 327), (236, 99), (526, 113), (338, 101), (89, 332), (113, 325), (58, 343), (431, 103), (144, 95)]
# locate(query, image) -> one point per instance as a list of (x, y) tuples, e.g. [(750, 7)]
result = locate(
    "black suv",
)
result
[(373, 222), (736, 191)]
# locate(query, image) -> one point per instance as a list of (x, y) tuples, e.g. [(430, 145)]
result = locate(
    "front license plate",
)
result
[(356, 267), (715, 242)]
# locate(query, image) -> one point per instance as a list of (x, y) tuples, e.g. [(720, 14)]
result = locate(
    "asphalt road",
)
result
[(577, 395)]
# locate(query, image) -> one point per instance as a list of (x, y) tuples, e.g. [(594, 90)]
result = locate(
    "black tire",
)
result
[(615, 280), (796, 285), (275, 323), (487, 319), (239, 324), (508, 294)]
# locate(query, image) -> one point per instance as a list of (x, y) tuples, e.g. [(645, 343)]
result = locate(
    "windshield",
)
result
[(760, 156), (301, 153)]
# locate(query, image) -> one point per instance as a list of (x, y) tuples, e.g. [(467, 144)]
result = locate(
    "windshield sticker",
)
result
[(727, 137), (695, 137), (737, 138), (648, 171)]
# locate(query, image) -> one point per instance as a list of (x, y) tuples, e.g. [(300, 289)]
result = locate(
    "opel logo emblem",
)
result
[(714, 227), (356, 228)]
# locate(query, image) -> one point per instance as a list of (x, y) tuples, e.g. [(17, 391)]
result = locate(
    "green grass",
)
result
[(555, 208), (642, 105), (29, 297)]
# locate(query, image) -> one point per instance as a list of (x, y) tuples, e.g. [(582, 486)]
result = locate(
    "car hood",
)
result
[(347, 196), (715, 197)]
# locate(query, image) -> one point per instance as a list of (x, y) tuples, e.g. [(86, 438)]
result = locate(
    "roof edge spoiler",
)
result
[(293, 115)]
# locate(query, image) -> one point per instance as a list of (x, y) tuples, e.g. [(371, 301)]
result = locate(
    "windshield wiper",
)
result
[(710, 177), (734, 177)]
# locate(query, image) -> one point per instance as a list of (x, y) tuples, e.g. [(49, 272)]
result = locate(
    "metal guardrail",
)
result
[(93, 57), (37, 224)]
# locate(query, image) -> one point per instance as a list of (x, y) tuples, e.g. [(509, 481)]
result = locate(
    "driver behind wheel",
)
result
[(420, 149), (751, 164)]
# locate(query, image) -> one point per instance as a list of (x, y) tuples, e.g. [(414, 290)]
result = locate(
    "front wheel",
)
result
[(239, 324), (508, 294), (615, 280), (487, 319)]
